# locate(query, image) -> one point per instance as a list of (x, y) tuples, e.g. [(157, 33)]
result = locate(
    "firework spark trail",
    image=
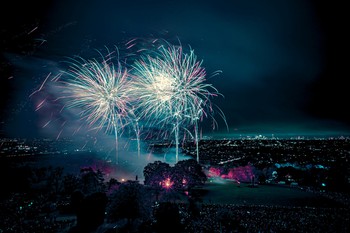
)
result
[(77, 130), (59, 134), (42, 41), (130, 46), (130, 41), (56, 78), (100, 91), (46, 124), (32, 30), (134, 119), (170, 89), (41, 86), (40, 105)]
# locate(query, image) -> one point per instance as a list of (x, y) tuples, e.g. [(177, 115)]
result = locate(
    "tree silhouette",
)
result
[(155, 173), (54, 179), (91, 181), (70, 184), (112, 184), (188, 174), (129, 201)]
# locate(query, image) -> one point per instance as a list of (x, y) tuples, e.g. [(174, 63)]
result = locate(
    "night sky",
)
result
[(284, 63)]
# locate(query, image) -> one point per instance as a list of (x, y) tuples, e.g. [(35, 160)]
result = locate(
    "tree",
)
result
[(54, 179), (129, 201), (262, 179), (155, 173), (70, 184), (188, 174), (15, 179), (157, 176), (91, 181), (112, 184), (40, 174)]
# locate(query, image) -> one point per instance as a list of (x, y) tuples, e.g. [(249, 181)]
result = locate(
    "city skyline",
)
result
[(280, 63)]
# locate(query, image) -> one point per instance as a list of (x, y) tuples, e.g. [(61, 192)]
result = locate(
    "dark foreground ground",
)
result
[(228, 192)]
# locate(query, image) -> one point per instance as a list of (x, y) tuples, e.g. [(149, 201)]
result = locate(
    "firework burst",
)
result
[(170, 89), (165, 87), (100, 92)]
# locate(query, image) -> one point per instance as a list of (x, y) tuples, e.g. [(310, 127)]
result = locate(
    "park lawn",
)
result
[(229, 192)]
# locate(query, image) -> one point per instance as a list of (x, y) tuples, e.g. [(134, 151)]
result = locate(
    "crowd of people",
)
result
[(21, 213), (342, 198), (261, 218)]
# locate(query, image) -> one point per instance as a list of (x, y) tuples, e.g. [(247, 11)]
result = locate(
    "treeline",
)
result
[(96, 202)]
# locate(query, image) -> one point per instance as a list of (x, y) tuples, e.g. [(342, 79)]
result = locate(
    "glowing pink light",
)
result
[(167, 183), (242, 173), (214, 172)]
